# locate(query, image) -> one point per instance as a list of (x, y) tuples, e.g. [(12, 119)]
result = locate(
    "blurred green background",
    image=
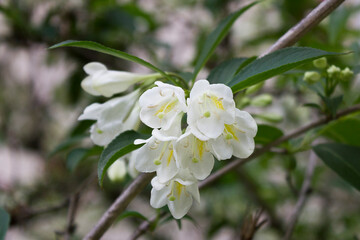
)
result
[(41, 99)]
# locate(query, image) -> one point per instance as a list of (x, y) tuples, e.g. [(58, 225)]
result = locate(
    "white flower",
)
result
[(210, 107), (160, 105), (178, 194), (102, 81), (194, 154), (158, 152), (117, 170), (236, 139), (112, 117)]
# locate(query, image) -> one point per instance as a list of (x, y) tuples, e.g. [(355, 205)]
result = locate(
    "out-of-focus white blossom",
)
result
[(112, 117), (102, 81)]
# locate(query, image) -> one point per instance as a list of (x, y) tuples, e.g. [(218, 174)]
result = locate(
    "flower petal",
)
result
[(221, 148), (181, 205), (94, 67), (159, 198)]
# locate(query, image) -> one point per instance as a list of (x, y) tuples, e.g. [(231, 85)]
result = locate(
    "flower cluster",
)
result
[(180, 155), (215, 128)]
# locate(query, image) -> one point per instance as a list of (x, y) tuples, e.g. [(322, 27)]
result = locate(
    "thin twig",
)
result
[(304, 193), (70, 227), (119, 205), (311, 20), (145, 226), (238, 162)]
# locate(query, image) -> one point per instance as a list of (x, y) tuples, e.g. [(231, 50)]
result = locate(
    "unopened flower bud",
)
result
[(311, 77), (254, 88), (333, 71), (320, 63), (262, 100), (117, 171), (242, 102), (346, 74)]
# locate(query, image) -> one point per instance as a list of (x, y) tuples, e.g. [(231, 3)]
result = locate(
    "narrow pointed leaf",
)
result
[(275, 63), (216, 36), (120, 146), (227, 70), (113, 52), (76, 156), (134, 214), (342, 159)]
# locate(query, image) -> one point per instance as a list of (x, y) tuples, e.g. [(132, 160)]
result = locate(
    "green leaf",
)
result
[(131, 214), (344, 130), (342, 159), (267, 134), (77, 155), (4, 223), (227, 70), (121, 145), (113, 52), (273, 64), (216, 36)]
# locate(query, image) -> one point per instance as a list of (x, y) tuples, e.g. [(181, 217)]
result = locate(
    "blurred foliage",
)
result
[(270, 182)]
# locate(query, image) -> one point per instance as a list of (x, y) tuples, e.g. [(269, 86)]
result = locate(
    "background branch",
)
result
[(304, 193), (311, 20)]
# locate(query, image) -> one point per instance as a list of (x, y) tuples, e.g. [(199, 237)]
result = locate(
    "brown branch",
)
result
[(311, 20), (304, 193), (119, 205), (238, 162)]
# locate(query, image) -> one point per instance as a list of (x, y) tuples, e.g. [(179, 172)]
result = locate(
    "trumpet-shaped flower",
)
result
[(112, 117), (177, 193), (194, 154), (236, 139), (102, 81), (161, 105), (158, 152), (210, 107)]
